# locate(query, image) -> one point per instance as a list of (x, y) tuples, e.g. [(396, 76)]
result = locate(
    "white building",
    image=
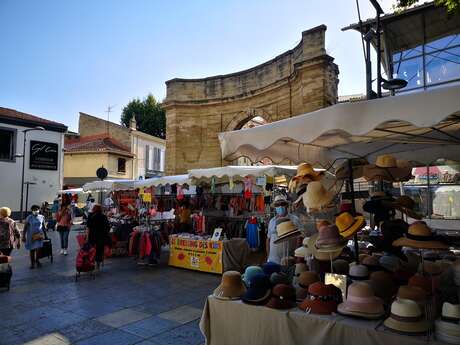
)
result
[(43, 174)]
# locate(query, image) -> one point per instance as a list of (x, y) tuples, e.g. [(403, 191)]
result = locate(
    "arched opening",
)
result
[(251, 123)]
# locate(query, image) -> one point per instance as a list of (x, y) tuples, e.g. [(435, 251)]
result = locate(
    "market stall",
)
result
[(400, 283)]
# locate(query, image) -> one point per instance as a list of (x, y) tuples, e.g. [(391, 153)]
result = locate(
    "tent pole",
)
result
[(353, 207), (428, 192)]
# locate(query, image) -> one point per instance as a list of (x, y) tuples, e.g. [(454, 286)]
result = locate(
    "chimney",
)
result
[(133, 124)]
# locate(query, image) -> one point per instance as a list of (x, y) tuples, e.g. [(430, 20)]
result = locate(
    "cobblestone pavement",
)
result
[(125, 304)]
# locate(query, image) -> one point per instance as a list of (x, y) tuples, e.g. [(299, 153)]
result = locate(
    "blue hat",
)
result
[(270, 267), (250, 272), (258, 291)]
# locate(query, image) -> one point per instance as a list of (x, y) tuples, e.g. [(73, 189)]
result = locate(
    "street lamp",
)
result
[(38, 128)]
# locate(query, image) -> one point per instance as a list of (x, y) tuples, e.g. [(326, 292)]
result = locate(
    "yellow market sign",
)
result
[(196, 255)]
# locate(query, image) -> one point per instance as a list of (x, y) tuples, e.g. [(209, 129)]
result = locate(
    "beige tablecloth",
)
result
[(236, 323)]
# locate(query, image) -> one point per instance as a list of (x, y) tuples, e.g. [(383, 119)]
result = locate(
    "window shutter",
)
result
[(146, 160)]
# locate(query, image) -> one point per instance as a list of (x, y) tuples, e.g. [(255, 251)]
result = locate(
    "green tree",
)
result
[(451, 5), (150, 116)]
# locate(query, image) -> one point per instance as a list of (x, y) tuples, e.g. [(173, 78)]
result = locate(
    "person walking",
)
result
[(64, 219), (98, 232), (9, 232), (33, 235)]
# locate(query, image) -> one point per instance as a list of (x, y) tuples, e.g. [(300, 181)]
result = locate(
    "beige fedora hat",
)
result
[(406, 317), (322, 256), (316, 196), (285, 230)]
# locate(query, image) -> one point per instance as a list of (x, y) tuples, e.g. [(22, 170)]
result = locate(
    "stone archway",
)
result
[(298, 81)]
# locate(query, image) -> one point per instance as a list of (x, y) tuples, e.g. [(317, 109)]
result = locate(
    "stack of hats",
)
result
[(358, 273), (305, 175), (285, 230), (328, 243), (419, 236), (406, 317), (388, 168), (322, 299), (258, 291), (372, 263), (413, 293), (231, 287), (249, 273), (383, 285), (447, 328), (303, 251), (361, 302), (304, 281), (283, 297), (349, 225)]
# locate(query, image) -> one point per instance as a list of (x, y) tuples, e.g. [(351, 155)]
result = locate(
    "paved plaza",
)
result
[(125, 304)]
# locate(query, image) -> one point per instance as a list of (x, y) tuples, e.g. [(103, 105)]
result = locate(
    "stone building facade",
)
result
[(298, 81)]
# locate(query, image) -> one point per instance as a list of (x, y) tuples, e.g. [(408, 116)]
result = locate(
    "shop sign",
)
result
[(197, 255), (43, 155)]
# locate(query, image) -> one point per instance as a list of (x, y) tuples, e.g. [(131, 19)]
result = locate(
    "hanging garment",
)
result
[(180, 193), (252, 233), (248, 187)]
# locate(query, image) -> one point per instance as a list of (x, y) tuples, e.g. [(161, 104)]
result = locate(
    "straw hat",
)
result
[(304, 281), (280, 200), (383, 285), (358, 272), (349, 225), (423, 282), (305, 242), (259, 289), (329, 239), (316, 196), (231, 287), (413, 293), (419, 236), (448, 326), (283, 297), (285, 230), (322, 299), (388, 168), (405, 204), (305, 170), (361, 302), (302, 252), (322, 256), (249, 273), (406, 317), (343, 171)]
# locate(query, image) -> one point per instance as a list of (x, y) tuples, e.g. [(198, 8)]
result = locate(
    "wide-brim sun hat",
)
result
[(323, 255), (231, 287), (361, 302), (406, 317), (280, 200), (259, 290), (302, 252), (404, 204), (419, 236), (286, 230), (349, 225), (306, 170)]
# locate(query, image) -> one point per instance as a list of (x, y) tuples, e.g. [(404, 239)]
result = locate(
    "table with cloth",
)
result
[(234, 322)]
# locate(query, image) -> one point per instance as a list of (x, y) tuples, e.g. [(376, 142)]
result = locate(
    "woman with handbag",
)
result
[(98, 232), (9, 233), (33, 235)]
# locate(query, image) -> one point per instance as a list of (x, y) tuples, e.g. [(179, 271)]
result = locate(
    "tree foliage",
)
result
[(451, 5), (150, 116)]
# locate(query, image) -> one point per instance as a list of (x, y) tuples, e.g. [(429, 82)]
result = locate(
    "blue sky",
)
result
[(61, 57)]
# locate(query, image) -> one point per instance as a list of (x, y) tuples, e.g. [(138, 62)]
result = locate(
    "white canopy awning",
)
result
[(108, 185), (242, 171), (419, 126), (162, 181), (72, 191)]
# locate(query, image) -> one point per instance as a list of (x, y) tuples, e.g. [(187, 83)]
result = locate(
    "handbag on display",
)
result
[(38, 236)]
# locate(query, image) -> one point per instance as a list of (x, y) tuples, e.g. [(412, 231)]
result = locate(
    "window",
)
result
[(121, 165), (433, 63), (156, 159), (7, 144)]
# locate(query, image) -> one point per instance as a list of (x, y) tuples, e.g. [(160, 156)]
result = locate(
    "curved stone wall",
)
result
[(298, 81)]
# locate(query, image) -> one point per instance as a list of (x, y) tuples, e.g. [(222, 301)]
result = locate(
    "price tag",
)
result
[(195, 261), (216, 235)]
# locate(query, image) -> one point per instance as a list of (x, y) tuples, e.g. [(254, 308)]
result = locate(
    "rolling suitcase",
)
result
[(5, 276), (47, 250)]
